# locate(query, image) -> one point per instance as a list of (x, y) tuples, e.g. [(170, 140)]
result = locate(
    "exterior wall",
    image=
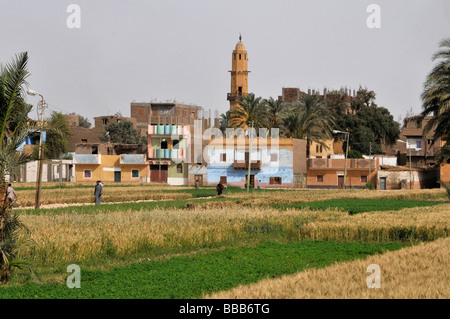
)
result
[(197, 170), (314, 149), (299, 156), (283, 167), (445, 173), (331, 169), (237, 177), (105, 170), (400, 179)]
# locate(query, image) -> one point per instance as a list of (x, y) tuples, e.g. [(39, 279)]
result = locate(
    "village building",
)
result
[(416, 145), (87, 140), (275, 163), (330, 172), (111, 168)]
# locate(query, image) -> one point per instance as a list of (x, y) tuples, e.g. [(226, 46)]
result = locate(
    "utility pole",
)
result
[(249, 157), (41, 155), (370, 160)]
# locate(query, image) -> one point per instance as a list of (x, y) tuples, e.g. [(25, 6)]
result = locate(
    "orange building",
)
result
[(239, 73), (329, 173), (110, 168)]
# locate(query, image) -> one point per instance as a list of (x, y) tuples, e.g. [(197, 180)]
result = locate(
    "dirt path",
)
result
[(58, 205)]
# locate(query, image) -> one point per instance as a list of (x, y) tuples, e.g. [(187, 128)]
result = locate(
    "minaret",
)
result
[(239, 73)]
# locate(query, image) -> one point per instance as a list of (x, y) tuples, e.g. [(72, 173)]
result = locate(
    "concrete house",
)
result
[(110, 168), (276, 164), (329, 172)]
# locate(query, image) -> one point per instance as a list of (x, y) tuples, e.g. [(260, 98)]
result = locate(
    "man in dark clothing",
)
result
[(219, 188), (98, 192)]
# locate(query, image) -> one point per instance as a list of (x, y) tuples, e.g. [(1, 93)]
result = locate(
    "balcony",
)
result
[(233, 97), (334, 164), (169, 130), (166, 153), (244, 165)]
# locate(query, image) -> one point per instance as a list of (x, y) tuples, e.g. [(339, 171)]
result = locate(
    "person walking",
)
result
[(98, 192), (12, 195)]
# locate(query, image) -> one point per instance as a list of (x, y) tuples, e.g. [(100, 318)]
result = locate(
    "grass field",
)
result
[(164, 232)]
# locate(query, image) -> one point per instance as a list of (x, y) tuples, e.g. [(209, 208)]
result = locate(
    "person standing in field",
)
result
[(12, 195), (219, 188), (98, 192)]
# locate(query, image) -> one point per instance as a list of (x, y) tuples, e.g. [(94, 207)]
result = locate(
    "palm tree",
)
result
[(275, 108), (250, 109), (224, 121), (310, 119), (14, 131), (436, 100)]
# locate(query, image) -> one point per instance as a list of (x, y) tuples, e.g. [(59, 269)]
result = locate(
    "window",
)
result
[(275, 180), (105, 121), (319, 178), (223, 179), (317, 148), (84, 140), (273, 157), (419, 144), (239, 56), (134, 173), (364, 179), (175, 144), (429, 141), (235, 56), (223, 157), (140, 112), (87, 173), (180, 168)]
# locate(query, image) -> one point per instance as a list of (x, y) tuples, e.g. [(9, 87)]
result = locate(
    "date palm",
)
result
[(275, 109), (249, 109), (14, 131), (309, 119), (436, 100)]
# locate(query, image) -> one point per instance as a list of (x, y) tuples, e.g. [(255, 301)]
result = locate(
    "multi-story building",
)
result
[(416, 146), (279, 163), (87, 140), (330, 173), (168, 152), (163, 113)]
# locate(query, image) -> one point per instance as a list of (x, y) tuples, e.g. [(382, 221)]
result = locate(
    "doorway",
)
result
[(252, 180), (117, 177), (158, 173), (198, 178), (383, 183), (340, 181)]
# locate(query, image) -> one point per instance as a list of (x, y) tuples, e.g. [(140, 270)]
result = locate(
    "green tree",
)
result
[(308, 119), (249, 109), (436, 100), (224, 121), (58, 131), (275, 109), (14, 132), (83, 122), (370, 128), (123, 133)]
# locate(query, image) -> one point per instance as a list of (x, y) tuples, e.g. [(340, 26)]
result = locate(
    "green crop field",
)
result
[(191, 277)]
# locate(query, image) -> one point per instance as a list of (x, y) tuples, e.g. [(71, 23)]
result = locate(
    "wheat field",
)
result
[(421, 271)]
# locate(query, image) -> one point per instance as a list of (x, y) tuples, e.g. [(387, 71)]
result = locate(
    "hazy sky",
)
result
[(142, 50)]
